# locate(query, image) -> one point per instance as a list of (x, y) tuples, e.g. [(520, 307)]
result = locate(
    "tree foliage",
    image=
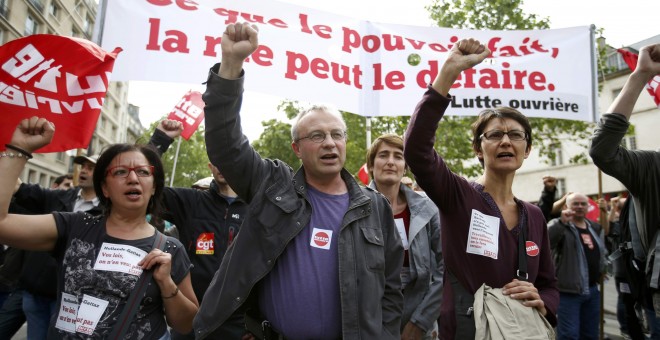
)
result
[(508, 15), (485, 14), (192, 163), (453, 138)]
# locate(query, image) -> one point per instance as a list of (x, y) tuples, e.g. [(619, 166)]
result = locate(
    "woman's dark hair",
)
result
[(502, 112), (103, 163)]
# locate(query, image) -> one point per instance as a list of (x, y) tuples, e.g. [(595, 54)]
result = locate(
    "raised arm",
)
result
[(630, 167), (466, 54), (238, 42), (36, 232), (429, 169), (227, 147), (648, 66), (165, 133)]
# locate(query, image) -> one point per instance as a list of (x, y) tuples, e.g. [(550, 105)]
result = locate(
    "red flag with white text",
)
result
[(653, 86), (363, 174), (190, 112), (62, 79)]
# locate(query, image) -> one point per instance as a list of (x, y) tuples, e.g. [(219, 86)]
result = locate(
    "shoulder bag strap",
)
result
[(522, 252), (133, 302)]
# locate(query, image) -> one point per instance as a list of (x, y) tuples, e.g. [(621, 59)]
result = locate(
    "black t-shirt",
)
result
[(96, 276), (592, 253)]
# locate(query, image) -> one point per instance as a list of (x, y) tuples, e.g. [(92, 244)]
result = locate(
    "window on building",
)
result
[(60, 156), (91, 150), (2, 36), (89, 26), (4, 8), (31, 25), (629, 142), (615, 61), (54, 10), (32, 176), (86, 25), (558, 158), (43, 180), (561, 187)]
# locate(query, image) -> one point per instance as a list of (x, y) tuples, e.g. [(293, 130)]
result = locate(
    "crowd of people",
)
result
[(261, 250)]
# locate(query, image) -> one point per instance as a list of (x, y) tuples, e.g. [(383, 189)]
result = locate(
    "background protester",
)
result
[(207, 222), (418, 223)]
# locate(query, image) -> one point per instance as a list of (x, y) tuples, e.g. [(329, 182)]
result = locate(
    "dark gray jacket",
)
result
[(370, 250), (639, 171), (568, 254)]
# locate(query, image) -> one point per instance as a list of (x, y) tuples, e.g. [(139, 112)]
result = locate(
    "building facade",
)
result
[(76, 18), (585, 178)]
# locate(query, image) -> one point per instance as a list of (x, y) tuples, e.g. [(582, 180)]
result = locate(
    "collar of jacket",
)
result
[(356, 196), (213, 189)]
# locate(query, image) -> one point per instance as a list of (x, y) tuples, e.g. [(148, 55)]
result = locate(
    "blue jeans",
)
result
[(578, 315), (654, 324), (11, 315), (38, 310)]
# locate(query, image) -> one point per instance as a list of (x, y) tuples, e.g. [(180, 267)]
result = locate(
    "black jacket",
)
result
[(206, 221)]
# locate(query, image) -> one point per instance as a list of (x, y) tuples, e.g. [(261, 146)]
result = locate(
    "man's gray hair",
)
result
[(315, 107)]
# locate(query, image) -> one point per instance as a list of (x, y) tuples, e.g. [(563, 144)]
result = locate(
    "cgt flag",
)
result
[(653, 86), (62, 79), (190, 112)]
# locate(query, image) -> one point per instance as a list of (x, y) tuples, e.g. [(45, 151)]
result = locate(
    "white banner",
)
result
[(359, 66)]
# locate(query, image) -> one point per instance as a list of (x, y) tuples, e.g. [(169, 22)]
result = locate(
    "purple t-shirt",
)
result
[(300, 296)]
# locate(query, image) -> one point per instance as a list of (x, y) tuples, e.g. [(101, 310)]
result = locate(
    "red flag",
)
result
[(190, 112), (59, 78), (363, 174), (593, 212), (653, 86)]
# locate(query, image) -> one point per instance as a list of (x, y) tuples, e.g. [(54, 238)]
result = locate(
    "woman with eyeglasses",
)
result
[(482, 220), (102, 259)]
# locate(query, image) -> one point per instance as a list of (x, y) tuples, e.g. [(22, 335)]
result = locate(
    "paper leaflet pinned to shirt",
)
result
[(483, 235)]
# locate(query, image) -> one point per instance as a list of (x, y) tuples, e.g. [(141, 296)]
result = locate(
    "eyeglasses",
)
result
[(584, 204), (123, 171), (319, 137), (497, 135)]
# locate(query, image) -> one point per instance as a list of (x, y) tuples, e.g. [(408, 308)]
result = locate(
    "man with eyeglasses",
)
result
[(318, 257), (578, 249)]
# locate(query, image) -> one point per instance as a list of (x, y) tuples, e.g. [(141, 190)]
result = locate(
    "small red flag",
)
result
[(363, 174), (653, 86), (190, 112), (593, 212), (59, 78)]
